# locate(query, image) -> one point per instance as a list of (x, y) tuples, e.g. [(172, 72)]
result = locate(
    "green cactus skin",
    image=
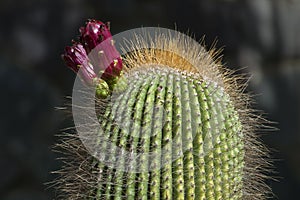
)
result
[(187, 109), (185, 115)]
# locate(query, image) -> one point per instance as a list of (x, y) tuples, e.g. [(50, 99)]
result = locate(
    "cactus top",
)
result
[(176, 125)]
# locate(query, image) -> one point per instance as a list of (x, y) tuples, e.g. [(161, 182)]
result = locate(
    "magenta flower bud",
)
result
[(96, 38), (113, 70), (76, 58), (95, 55), (93, 34)]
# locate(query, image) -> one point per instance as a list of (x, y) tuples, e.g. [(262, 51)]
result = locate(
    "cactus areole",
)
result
[(165, 120)]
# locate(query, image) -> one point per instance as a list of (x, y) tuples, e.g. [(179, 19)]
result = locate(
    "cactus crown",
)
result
[(181, 103)]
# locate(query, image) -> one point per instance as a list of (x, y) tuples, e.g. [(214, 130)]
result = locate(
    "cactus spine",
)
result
[(192, 117)]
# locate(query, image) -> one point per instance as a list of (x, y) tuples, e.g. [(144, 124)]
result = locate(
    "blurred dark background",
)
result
[(263, 35)]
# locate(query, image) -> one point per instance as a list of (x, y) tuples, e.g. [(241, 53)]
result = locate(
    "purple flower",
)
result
[(113, 70), (93, 34), (96, 34), (104, 61), (76, 58)]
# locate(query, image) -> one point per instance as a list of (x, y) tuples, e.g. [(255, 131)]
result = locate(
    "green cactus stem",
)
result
[(194, 129), (176, 126)]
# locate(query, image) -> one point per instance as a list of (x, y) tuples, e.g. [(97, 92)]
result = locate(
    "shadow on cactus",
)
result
[(171, 122)]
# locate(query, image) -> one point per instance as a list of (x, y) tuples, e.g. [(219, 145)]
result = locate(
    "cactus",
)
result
[(189, 123)]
